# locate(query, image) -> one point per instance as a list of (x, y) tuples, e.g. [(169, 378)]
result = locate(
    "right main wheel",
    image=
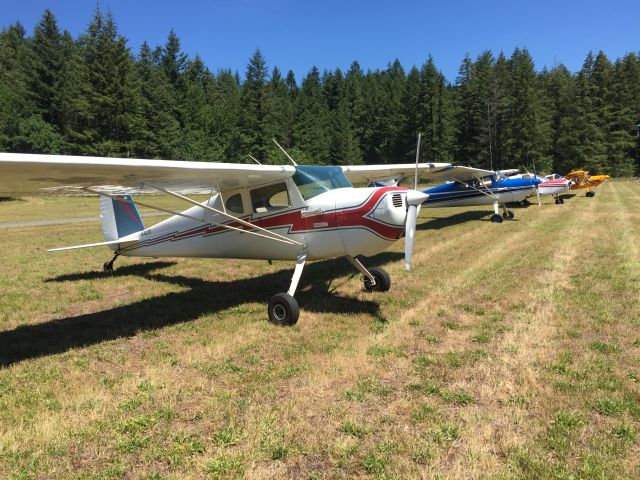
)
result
[(283, 309), (383, 282)]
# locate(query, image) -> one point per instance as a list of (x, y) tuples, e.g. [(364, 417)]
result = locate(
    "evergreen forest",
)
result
[(92, 95)]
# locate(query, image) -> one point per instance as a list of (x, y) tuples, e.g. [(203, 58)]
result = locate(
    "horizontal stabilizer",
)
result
[(89, 245)]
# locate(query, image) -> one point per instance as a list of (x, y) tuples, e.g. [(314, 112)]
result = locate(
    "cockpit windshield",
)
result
[(312, 181)]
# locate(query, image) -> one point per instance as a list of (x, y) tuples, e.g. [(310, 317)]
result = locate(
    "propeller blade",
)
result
[(409, 235), (415, 180), (415, 198)]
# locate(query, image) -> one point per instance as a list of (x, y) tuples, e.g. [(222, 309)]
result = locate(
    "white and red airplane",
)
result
[(554, 185), (264, 212)]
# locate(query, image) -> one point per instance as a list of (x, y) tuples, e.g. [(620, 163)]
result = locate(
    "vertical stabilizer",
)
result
[(119, 217)]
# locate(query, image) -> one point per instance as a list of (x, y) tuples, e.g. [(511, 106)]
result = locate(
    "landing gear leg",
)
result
[(496, 218), (374, 278), (108, 266), (283, 308)]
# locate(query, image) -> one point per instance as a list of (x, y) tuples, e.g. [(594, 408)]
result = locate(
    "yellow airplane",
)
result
[(582, 179)]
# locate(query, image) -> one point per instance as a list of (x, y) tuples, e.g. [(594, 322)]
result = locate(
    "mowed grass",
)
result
[(509, 351)]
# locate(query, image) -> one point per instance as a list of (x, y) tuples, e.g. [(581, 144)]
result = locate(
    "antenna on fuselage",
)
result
[(252, 158), (285, 152)]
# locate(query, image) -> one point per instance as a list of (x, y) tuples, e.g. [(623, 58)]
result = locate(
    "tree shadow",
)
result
[(444, 222), (201, 297)]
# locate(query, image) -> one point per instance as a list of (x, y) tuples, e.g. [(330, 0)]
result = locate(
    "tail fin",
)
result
[(119, 217)]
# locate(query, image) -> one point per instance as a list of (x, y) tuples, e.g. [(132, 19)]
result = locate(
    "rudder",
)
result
[(119, 218)]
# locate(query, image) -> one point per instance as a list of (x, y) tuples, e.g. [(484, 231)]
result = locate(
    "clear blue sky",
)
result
[(296, 34)]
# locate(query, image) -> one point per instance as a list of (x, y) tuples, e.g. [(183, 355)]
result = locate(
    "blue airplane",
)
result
[(466, 186)]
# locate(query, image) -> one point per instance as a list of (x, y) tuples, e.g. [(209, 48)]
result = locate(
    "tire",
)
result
[(495, 218), (107, 266), (591, 194), (383, 282), (508, 215), (283, 309)]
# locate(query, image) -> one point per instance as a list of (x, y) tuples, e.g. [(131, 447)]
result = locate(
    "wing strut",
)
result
[(476, 189), (270, 234)]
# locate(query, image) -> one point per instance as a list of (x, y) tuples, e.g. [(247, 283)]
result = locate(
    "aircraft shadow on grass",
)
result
[(202, 297), (444, 222)]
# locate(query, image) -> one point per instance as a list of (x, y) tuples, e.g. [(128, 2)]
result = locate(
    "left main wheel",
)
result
[(383, 281), (283, 309), (509, 215)]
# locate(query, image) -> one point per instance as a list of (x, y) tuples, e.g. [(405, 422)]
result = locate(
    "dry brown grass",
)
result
[(510, 351)]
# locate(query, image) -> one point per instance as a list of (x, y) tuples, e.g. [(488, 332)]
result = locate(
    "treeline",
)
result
[(92, 96)]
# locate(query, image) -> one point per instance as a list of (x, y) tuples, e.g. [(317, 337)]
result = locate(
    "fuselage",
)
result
[(343, 221), (553, 184), (454, 194)]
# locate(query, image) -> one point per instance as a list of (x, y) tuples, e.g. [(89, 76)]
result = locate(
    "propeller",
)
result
[(415, 198), (535, 175)]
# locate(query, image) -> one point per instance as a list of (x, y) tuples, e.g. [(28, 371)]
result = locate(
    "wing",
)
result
[(427, 171), (61, 174), (460, 174), (508, 172), (577, 174), (374, 173)]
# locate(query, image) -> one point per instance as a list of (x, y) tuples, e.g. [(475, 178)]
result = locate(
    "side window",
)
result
[(234, 203), (272, 197)]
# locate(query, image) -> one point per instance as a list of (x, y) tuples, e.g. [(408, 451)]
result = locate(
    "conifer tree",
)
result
[(466, 114), (44, 68), (255, 106), (279, 115), (172, 59), (560, 91), (112, 117), (13, 92), (526, 143), (160, 134), (311, 138)]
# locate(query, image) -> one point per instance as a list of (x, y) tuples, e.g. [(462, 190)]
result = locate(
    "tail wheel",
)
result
[(383, 282), (283, 309)]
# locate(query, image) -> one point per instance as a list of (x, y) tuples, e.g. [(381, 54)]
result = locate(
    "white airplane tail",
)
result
[(119, 217)]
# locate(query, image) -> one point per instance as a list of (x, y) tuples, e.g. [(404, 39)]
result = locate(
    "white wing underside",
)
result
[(22, 174), (63, 175)]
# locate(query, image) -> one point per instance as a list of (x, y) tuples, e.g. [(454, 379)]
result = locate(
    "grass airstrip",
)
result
[(510, 351)]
